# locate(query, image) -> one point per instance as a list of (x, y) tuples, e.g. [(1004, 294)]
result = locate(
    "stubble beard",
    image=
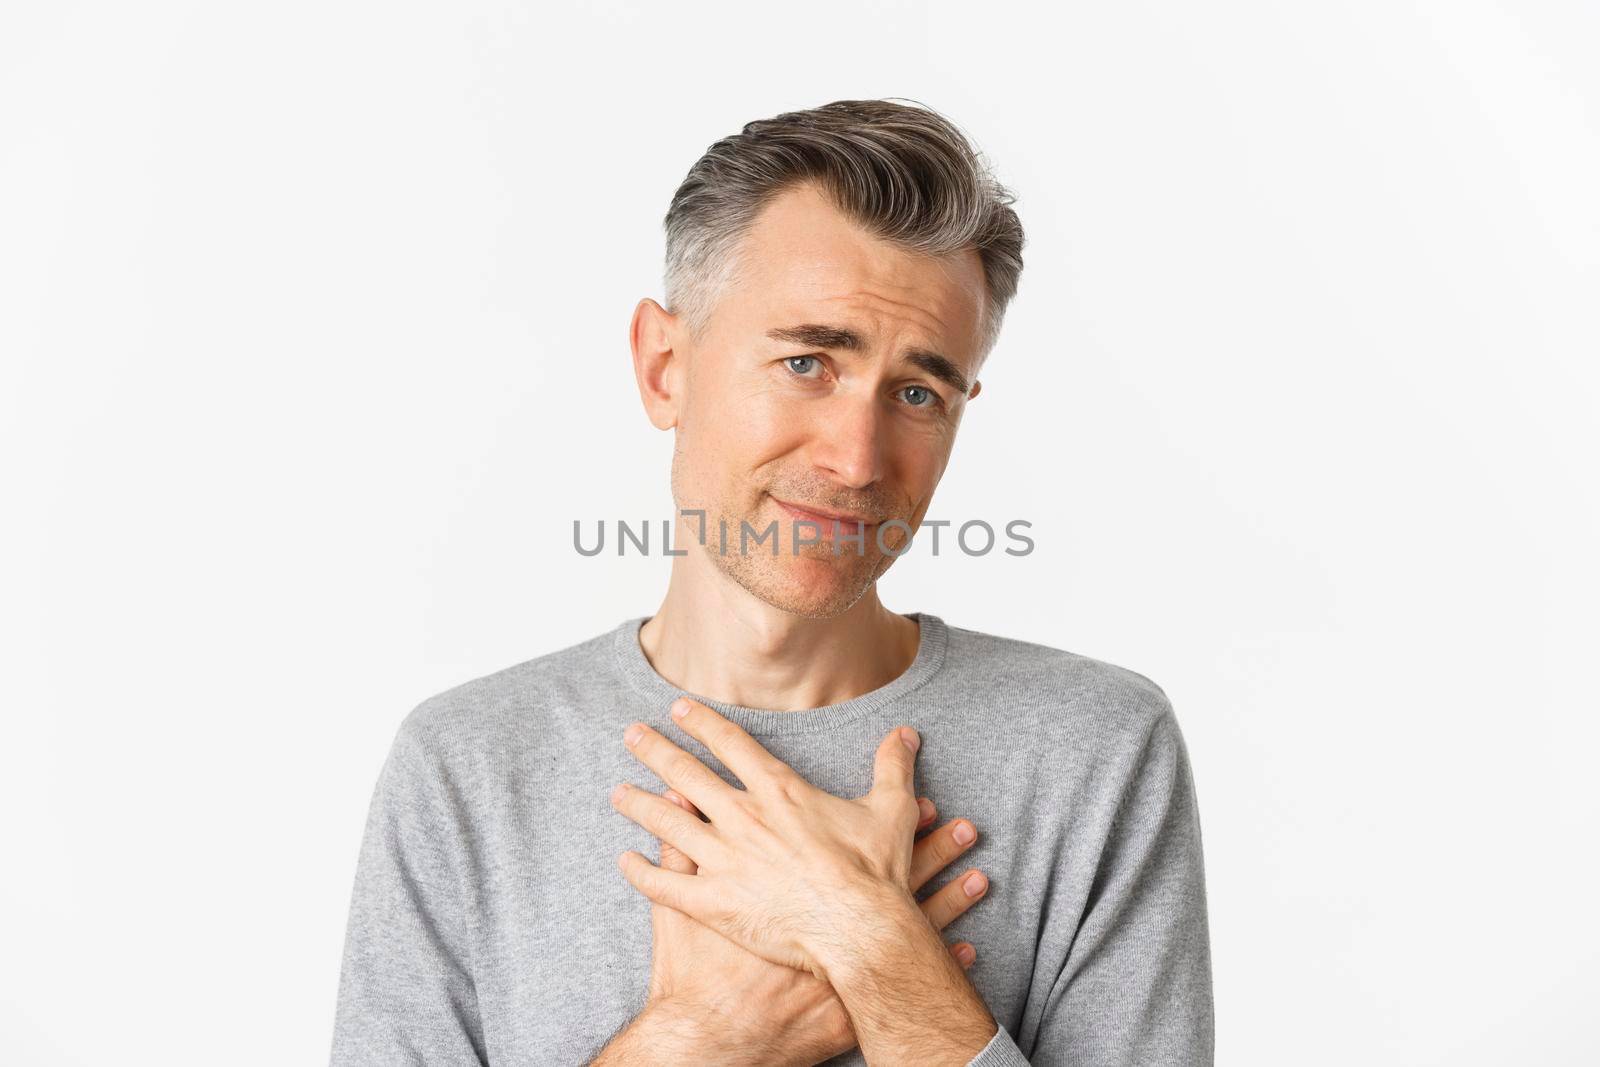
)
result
[(814, 582)]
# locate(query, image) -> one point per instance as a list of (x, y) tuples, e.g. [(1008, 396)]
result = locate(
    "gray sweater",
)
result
[(490, 925)]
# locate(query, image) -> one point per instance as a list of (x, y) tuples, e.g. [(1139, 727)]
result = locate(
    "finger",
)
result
[(952, 900), (934, 852), (895, 764), (926, 813), (691, 778), (688, 893), (667, 821), (672, 857), (738, 751), (682, 802), (964, 953)]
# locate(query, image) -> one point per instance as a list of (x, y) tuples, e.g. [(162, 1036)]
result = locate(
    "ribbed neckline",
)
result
[(636, 668)]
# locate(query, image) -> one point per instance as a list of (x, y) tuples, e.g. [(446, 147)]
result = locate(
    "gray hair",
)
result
[(904, 173)]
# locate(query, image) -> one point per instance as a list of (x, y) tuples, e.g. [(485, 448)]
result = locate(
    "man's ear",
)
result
[(976, 386), (657, 366)]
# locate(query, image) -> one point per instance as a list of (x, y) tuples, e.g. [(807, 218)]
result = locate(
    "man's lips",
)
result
[(848, 524)]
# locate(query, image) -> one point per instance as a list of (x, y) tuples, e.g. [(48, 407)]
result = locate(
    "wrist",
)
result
[(908, 999), (884, 921), (661, 1033), (671, 1031)]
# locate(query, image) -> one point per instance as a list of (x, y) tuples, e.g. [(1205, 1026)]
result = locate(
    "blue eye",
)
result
[(808, 360), (932, 397)]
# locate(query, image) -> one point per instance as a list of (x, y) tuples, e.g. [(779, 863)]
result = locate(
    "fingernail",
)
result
[(966, 954), (925, 808), (909, 736), (974, 884), (680, 708), (964, 833), (616, 794), (632, 734)]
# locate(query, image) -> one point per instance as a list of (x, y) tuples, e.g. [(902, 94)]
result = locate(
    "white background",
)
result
[(314, 322)]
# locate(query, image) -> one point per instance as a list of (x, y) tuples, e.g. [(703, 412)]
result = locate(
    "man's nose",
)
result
[(849, 442)]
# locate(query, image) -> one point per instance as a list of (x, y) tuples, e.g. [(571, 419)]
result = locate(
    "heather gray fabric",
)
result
[(490, 925)]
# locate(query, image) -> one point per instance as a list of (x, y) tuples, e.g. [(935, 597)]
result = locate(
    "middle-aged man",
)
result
[(835, 279)]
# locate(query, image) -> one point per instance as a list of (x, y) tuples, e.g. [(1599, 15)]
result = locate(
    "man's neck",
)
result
[(721, 642)]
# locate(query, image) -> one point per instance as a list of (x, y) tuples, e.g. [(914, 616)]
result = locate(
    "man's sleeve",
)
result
[(1136, 987), (406, 994)]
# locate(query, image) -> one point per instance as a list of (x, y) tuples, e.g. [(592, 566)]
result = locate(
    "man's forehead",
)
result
[(805, 261)]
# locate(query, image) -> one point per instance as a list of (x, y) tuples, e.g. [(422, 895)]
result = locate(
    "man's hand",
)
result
[(755, 1011), (781, 861)]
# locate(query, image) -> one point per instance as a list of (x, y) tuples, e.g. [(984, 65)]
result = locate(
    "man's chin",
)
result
[(810, 606), (814, 588)]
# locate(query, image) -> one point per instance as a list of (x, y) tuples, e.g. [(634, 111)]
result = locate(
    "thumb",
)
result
[(671, 858), (894, 767)]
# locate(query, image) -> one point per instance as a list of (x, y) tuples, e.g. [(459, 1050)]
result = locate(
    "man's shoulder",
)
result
[(1041, 689), (513, 703)]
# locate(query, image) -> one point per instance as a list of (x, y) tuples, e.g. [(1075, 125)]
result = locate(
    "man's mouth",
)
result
[(848, 525)]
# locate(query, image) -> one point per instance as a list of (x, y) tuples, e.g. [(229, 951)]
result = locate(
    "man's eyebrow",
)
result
[(941, 368), (816, 335), (819, 336)]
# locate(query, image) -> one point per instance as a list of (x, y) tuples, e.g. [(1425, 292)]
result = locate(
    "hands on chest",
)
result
[(785, 926)]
